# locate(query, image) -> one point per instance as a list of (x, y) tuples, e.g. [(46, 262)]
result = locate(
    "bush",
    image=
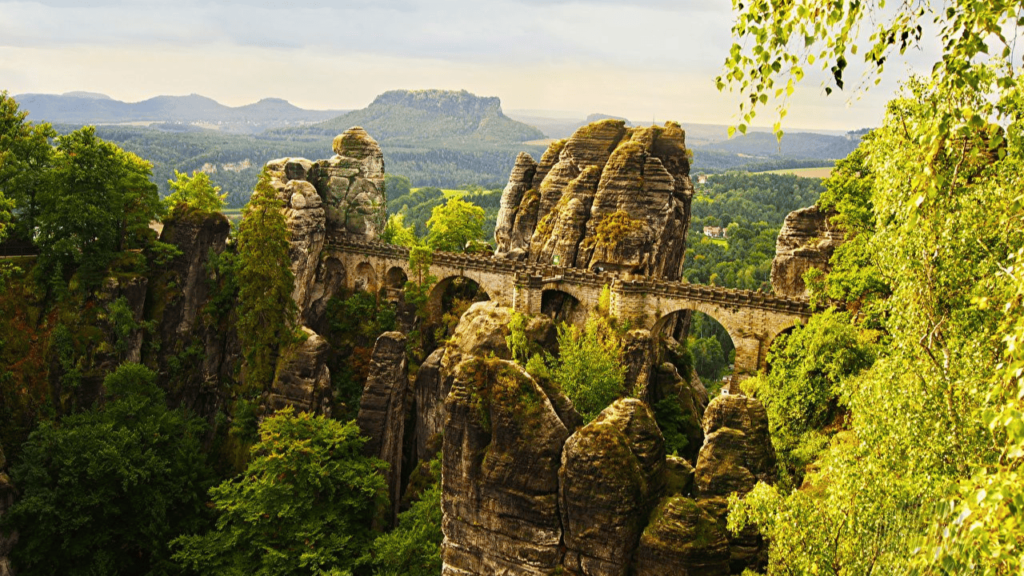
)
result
[(588, 368), (414, 547)]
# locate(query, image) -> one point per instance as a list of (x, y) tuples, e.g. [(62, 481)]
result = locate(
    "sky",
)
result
[(655, 60)]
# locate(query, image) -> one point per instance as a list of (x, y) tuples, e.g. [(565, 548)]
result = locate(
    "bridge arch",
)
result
[(564, 305), (365, 278), (395, 278), (435, 300), (714, 345)]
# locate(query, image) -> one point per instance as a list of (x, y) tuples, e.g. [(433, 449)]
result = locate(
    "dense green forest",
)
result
[(896, 411)]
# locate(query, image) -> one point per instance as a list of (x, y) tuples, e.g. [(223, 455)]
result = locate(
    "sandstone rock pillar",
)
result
[(382, 410)]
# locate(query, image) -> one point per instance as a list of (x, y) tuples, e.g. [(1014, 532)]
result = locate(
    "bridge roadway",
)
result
[(752, 319)]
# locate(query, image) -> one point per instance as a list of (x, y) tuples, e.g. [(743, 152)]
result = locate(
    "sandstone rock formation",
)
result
[(609, 197), (670, 386), (502, 447), (341, 196), (429, 405), (176, 299), (526, 490), (682, 539), (306, 222), (737, 453), (382, 410), (612, 474), (481, 332), (350, 185), (637, 353), (678, 476), (302, 379), (807, 240)]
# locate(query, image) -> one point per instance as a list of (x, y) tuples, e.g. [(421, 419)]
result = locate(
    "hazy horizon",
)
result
[(656, 61)]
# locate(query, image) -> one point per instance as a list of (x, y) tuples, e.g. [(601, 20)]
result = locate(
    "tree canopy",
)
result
[(455, 224), (99, 201), (103, 491), (195, 191), (25, 157), (303, 506), (776, 42), (266, 311)]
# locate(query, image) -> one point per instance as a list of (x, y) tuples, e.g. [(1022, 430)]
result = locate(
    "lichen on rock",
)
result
[(682, 538), (612, 474)]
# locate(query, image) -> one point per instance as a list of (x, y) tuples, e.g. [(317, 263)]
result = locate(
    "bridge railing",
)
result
[(665, 288)]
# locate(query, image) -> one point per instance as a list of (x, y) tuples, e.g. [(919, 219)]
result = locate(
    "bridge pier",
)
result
[(527, 294), (750, 357)]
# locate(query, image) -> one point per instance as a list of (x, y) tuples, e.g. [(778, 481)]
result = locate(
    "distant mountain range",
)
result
[(434, 137), (428, 118), (169, 112)]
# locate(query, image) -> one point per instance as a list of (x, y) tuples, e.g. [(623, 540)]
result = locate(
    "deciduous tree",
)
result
[(195, 191), (25, 161), (455, 224), (99, 202), (302, 507), (103, 491)]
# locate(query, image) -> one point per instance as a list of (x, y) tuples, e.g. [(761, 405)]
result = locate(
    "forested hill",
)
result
[(805, 145), (428, 118), (178, 111)]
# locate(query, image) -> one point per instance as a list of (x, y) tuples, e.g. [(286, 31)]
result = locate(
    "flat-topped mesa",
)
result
[(609, 197)]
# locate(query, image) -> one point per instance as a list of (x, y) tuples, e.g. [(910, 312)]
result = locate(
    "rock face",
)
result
[(302, 379), (637, 352), (342, 196), (429, 413), (481, 332), (176, 300), (609, 197), (737, 453), (352, 185), (807, 240), (670, 387), (382, 409), (682, 539), (612, 474), (306, 222), (502, 447)]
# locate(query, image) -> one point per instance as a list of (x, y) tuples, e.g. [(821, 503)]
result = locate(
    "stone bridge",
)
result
[(752, 319)]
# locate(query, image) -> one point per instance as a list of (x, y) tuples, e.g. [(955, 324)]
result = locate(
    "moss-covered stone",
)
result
[(612, 474), (682, 539)]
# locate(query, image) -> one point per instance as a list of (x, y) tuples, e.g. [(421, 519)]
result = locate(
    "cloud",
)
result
[(497, 32), (655, 59)]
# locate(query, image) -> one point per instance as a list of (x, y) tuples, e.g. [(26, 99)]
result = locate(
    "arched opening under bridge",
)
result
[(365, 278), (693, 337), (563, 307), (450, 298)]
